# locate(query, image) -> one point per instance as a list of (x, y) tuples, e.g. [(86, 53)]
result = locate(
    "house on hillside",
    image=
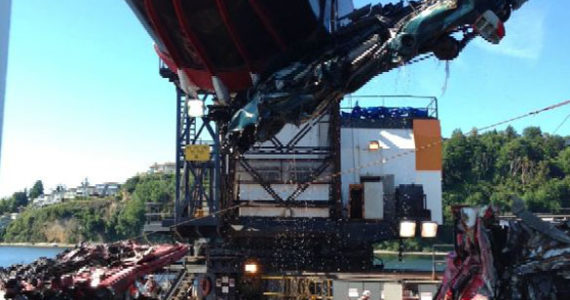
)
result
[(49, 199), (165, 168), (107, 189), (70, 194), (85, 191)]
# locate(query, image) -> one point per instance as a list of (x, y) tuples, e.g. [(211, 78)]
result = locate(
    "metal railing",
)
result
[(155, 213), (430, 103), (436, 262)]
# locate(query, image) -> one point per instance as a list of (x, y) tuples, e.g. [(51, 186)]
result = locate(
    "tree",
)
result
[(563, 160), (131, 184), (37, 190), (510, 133), (19, 199), (492, 167), (5, 205), (532, 132)]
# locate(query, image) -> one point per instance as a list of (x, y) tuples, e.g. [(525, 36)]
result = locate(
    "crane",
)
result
[(259, 56), (270, 176)]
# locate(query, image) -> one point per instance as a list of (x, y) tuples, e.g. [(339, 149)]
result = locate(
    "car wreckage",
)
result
[(522, 259), (88, 271), (269, 63)]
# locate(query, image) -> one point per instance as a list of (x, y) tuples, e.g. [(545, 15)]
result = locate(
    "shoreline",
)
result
[(37, 245)]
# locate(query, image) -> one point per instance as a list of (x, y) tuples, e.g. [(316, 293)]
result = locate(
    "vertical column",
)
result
[(188, 122), (334, 131), (5, 10), (216, 155), (178, 160)]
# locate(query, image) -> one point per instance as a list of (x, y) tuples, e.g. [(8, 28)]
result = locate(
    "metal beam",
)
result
[(188, 31), (234, 35), (178, 156), (191, 177), (266, 20)]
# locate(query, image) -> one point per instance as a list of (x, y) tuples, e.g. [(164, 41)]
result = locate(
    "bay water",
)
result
[(23, 255)]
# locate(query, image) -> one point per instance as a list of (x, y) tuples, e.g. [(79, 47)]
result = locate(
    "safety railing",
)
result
[(438, 250)]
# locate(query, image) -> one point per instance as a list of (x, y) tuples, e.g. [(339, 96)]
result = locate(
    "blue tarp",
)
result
[(381, 112)]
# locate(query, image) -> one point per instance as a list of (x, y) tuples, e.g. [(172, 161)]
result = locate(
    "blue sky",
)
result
[(84, 98)]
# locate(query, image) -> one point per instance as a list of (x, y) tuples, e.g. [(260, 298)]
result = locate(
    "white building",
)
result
[(107, 189), (85, 191), (49, 199), (165, 168), (70, 194)]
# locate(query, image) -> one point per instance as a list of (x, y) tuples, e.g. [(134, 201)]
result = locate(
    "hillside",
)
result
[(477, 169), (92, 219)]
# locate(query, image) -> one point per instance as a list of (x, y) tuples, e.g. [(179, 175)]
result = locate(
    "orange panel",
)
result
[(427, 136)]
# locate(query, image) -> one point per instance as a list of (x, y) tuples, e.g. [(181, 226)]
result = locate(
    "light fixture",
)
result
[(407, 229), (237, 227), (251, 268), (373, 146), (429, 229), (195, 108)]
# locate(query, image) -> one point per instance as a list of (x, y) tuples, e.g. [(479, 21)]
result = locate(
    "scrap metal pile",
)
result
[(526, 258), (88, 271), (378, 39)]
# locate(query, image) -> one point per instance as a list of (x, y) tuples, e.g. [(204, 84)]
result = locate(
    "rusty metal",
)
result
[(88, 271)]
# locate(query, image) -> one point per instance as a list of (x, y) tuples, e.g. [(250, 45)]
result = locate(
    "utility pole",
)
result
[(5, 9)]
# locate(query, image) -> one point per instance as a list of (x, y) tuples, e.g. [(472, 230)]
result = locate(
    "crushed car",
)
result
[(89, 271), (386, 38), (520, 259)]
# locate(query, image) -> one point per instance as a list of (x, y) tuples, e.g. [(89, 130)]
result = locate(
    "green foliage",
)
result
[(89, 219), (5, 205), (68, 222), (494, 166), (157, 188), (37, 190), (19, 199), (14, 203), (131, 184)]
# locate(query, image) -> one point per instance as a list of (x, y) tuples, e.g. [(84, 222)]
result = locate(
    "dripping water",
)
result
[(446, 79)]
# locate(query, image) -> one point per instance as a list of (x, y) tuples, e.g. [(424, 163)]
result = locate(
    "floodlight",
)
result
[(407, 229), (195, 108), (251, 268), (429, 229), (373, 146)]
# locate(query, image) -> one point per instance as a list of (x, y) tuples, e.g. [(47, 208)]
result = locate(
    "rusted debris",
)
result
[(89, 271), (521, 259)]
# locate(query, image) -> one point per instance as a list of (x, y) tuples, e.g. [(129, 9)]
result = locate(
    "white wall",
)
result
[(254, 192), (395, 157), (317, 136), (355, 154), (5, 9), (431, 182), (285, 212)]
